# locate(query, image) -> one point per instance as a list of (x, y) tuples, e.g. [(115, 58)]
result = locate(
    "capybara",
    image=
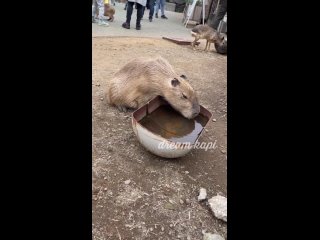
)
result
[(141, 80)]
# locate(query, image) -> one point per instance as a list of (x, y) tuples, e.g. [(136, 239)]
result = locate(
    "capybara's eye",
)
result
[(184, 96)]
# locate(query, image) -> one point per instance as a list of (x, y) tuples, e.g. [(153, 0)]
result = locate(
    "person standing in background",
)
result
[(160, 4), (151, 7), (97, 12), (139, 5), (221, 11)]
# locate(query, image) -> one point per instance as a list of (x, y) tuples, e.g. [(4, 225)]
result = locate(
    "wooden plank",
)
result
[(180, 41)]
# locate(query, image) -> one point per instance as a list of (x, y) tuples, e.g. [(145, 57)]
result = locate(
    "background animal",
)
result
[(205, 32), (109, 11)]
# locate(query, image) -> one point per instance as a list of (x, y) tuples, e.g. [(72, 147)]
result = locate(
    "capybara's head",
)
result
[(182, 97)]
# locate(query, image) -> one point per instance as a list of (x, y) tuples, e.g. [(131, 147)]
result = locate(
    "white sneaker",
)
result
[(103, 23)]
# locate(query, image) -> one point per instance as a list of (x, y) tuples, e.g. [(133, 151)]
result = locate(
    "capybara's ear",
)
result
[(175, 82), (183, 76)]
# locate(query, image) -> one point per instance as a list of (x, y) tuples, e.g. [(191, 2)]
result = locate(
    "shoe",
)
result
[(126, 25), (103, 23), (164, 17), (150, 19), (156, 15), (138, 27)]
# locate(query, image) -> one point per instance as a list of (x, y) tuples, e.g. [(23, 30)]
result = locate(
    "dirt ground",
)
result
[(160, 200)]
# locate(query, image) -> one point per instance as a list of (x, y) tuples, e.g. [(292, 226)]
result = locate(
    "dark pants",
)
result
[(130, 10), (222, 9), (151, 7)]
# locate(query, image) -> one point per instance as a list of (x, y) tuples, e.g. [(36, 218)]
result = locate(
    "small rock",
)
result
[(127, 182), (169, 206), (105, 178), (98, 85), (101, 99), (202, 194), (210, 236), (223, 151), (171, 225), (188, 201), (181, 201), (206, 130), (151, 229), (218, 205), (162, 229), (214, 120), (186, 172), (105, 189)]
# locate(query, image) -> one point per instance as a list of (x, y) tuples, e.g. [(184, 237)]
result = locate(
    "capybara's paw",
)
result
[(122, 108)]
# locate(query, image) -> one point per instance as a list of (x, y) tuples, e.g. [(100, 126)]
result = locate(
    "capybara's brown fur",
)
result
[(109, 11), (141, 80), (205, 32)]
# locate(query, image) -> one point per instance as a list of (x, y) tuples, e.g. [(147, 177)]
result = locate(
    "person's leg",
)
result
[(102, 20), (222, 9), (143, 9), (163, 4), (157, 8), (94, 10), (129, 13), (151, 6), (139, 15)]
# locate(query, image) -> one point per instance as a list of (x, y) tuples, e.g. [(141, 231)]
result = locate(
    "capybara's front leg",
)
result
[(194, 42), (133, 104), (208, 48), (126, 107), (205, 49), (122, 108)]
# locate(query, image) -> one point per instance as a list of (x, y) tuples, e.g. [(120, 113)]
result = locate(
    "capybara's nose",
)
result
[(195, 114), (196, 110)]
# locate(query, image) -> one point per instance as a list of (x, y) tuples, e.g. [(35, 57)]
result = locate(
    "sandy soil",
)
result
[(160, 200)]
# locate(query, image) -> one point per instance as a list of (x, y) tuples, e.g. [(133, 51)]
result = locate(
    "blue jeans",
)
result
[(151, 7), (160, 4)]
